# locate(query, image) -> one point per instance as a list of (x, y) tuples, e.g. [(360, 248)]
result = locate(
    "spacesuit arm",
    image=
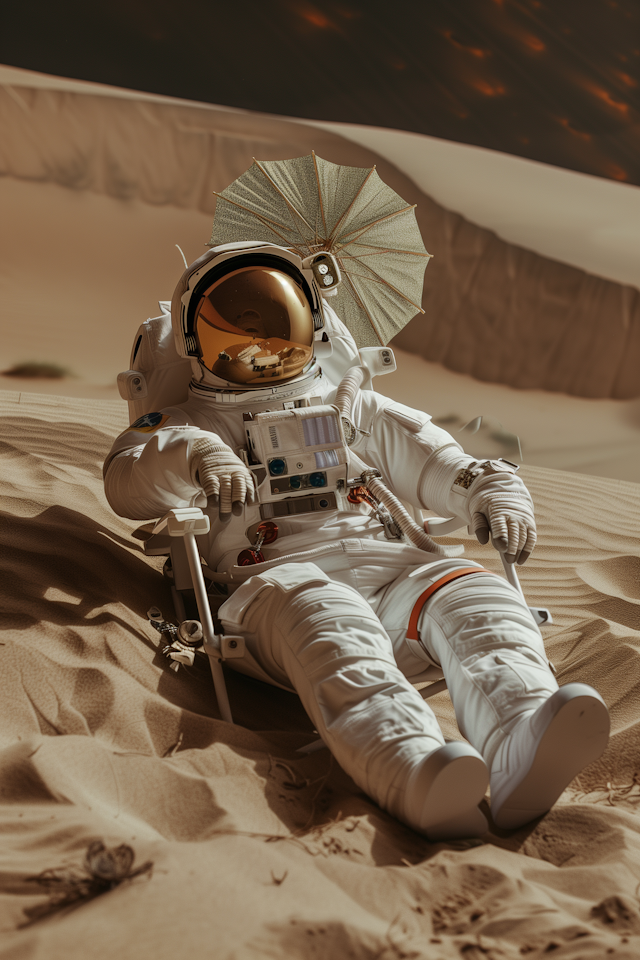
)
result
[(423, 465), (147, 474), (400, 442)]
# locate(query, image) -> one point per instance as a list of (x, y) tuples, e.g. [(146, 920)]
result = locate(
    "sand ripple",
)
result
[(259, 853)]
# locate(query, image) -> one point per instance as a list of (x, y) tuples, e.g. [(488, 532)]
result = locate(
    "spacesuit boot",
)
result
[(443, 791), (544, 752), (534, 736), (320, 638)]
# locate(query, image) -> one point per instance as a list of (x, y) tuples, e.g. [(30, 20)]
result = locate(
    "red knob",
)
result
[(247, 557), (270, 530), (357, 495)]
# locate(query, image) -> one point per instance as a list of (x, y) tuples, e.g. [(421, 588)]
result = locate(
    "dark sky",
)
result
[(555, 81)]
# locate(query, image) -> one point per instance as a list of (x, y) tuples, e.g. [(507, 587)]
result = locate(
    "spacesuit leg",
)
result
[(492, 655), (321, 638), (534, 736)]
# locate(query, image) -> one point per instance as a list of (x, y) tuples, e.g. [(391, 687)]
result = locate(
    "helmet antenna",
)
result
[(182, 255)]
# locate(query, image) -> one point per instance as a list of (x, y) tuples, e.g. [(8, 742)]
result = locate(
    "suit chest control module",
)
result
[(299, 459)]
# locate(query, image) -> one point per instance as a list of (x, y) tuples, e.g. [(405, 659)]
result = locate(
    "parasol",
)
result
[(309, 204)]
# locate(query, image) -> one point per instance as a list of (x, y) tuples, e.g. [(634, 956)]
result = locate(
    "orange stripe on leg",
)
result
[(412, 630)]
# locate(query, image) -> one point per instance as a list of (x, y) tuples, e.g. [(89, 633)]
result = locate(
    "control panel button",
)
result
[(277, 467)]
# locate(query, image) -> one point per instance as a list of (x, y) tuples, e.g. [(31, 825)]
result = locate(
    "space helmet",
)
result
[(248, 314)]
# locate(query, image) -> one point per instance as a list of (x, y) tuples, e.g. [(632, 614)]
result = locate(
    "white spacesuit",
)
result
[(338, 603)]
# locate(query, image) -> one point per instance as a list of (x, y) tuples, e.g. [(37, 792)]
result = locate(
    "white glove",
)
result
[(222, 475), (499, 504)]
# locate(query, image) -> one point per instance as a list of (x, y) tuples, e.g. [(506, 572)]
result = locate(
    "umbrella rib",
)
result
[(379, 279), (360, 303), (253, 213), (288, 203), (315, 167), (359, 252), (267, 222), (348, 210), (374, 223), (378, 251), (354, 293)]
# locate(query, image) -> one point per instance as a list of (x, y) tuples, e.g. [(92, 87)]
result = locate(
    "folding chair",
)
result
[(175, 536)]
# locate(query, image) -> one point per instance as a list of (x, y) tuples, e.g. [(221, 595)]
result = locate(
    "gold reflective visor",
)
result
[(255, 326)]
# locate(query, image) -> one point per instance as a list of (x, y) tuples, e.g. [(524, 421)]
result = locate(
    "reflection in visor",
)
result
[(255, 324)]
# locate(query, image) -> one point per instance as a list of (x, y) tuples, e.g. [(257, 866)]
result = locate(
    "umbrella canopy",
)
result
[(309, 205)]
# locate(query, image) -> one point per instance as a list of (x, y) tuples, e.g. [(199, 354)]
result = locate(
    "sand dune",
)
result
[(257, 851), (586, 221), (600, 437), (108, 175), (80, 270)]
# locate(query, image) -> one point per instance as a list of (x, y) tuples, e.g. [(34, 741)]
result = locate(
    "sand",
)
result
[(257, 851), (80, 270), (97, 188), (586, 221), (598, 437)]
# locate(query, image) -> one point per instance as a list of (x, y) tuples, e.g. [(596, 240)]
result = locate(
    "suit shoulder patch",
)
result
[(149, 422)]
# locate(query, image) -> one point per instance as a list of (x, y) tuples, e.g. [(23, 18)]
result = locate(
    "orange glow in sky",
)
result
[(489, 89), (316, 18), (534, 43), (616, 172), (566, 123), (626, 79), (606, 97), (474, 51)]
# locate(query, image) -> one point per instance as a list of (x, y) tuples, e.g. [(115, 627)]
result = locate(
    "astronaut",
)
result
[(341, 601)]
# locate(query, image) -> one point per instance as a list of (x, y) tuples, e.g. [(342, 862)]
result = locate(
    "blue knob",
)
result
[(277, 467), (317, 480)]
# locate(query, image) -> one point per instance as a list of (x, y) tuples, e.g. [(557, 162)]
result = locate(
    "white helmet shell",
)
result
[(271, 340)]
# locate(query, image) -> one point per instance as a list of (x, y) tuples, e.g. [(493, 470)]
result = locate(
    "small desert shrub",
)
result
[(34, 370)]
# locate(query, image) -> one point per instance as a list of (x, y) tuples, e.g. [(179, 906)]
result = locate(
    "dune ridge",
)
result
[(257, 851), (494, 310)]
